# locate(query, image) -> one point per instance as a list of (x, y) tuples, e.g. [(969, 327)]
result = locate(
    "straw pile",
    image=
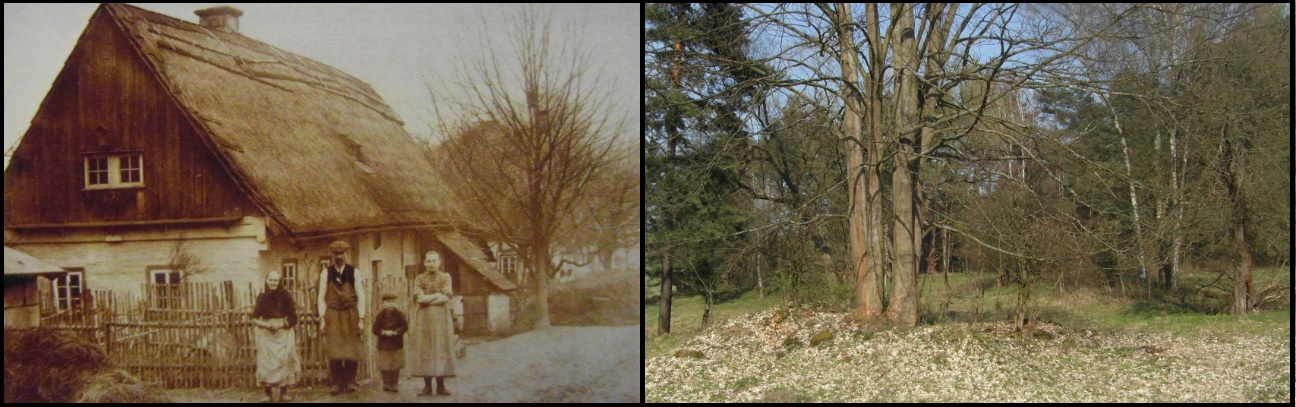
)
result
[(43, 366)]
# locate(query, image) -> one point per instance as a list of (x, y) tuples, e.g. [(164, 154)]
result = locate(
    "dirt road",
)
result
[(554, 364)]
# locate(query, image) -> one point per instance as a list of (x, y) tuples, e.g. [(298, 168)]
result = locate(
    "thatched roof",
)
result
[(318, 149)]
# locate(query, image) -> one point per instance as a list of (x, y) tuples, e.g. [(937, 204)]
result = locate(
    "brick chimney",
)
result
[(222, 18)]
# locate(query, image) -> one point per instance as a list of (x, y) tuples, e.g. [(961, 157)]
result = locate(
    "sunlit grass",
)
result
[(686, 317)]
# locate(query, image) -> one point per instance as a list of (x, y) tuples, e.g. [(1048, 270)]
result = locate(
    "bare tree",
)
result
[(609, 219), (528, 138)]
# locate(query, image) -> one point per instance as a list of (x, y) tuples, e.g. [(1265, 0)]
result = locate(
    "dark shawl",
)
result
[(276, 303)]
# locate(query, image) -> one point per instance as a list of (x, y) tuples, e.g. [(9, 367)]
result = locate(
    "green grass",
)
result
[(686, 317), (972, 297)]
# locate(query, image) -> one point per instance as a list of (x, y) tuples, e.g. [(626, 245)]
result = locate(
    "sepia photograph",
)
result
[(366, 203), (967, 203)]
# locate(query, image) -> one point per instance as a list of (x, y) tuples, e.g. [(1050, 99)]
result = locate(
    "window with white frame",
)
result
[(114, 171), (508, 265), (68, 289), (166, 286), (288, 274)]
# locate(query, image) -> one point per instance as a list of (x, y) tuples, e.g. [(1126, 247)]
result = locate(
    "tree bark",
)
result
[(1176, 166), (903, 307), (867, 303), (1232, 177), (664, 310), (1133, 193), (706, 313)]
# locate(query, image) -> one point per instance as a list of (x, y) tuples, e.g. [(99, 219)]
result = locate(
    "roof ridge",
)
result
[(324, 74)]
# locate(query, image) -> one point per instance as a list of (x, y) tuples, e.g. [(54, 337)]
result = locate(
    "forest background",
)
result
[(833, 154)]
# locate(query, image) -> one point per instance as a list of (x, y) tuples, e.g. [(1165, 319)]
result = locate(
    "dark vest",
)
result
[(340, 296)]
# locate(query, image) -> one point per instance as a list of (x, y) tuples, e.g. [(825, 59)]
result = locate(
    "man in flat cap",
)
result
[(340, 302)]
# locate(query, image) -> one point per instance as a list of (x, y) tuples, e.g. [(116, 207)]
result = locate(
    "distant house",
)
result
[(573, 265), (21, 272), (170, 152)]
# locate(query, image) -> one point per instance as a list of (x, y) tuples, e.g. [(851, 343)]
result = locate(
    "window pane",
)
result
[(97, 171), (130, 169), (289, 276)]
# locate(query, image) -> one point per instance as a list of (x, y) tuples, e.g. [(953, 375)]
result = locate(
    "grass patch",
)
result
[(686, 318), (785, 395), (972, 297), (745, 383)]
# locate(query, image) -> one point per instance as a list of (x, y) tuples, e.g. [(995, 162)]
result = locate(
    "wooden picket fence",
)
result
[(195, 334)]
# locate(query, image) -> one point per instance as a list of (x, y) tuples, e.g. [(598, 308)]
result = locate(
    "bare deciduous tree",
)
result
[(525, 142)]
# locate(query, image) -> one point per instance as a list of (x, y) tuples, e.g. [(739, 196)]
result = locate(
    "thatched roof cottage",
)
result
[(168, 151)]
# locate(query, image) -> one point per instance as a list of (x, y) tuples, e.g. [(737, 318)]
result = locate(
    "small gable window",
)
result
[(103, 171)]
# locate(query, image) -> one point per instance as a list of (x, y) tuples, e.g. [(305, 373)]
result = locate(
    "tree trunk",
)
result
[(931, 255), (1138, 225), (1233, 180), (903, 308), (1241, 273), (542, 284), (706, 312), (945, 253), (664, 310), (1176, 166), (872, 145), (867, 303)]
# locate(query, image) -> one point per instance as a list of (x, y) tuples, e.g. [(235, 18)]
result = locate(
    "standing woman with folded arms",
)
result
[(432, 332)]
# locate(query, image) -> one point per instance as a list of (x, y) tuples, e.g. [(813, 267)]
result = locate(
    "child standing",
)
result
[(390, 326)]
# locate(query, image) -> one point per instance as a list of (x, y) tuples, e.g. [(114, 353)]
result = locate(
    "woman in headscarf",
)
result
[(273, 319), (432, 330)]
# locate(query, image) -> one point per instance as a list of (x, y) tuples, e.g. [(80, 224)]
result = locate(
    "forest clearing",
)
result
[(988, 202), (1085, 346)]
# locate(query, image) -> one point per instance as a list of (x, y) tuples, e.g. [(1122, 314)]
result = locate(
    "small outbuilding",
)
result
[(21, 299)]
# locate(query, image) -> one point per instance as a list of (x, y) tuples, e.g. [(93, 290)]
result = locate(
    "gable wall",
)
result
[(107, 100)]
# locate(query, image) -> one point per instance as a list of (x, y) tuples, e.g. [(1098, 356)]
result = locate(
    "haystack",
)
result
[(44, 366)]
